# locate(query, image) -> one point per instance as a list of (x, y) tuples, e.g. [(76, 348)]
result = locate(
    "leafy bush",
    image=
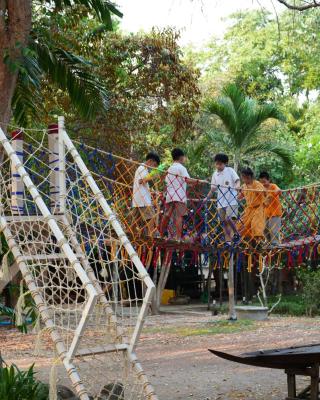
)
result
[(29, 311), (21, 385), (311, 291)]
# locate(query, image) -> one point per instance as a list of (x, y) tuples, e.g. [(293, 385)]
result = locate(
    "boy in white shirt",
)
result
[(176, 181), (144, 213), (225, 181)]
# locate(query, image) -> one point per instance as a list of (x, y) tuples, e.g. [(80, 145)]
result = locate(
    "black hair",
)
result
[(153, 156), (220, 157), (264, 175), (247, 172), (176, 154)]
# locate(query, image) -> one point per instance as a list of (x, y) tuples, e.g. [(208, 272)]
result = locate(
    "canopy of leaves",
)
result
[(46, 60), (273, 59), (152, 95)]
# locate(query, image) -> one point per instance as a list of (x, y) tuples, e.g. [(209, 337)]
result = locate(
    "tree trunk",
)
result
[(15, 25)]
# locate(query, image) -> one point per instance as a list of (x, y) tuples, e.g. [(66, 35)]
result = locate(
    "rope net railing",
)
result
[(88, 284), (167, 211)]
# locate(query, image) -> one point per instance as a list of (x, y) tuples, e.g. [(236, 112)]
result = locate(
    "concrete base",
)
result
[(255, 313)]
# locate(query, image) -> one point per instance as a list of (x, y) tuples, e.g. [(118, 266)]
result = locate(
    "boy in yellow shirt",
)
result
[(273, 209), (253, 220)]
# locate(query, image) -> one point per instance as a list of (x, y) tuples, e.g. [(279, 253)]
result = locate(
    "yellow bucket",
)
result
[(167, 295)]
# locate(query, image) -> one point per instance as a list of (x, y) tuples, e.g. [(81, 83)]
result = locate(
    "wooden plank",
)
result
[(101, 350)]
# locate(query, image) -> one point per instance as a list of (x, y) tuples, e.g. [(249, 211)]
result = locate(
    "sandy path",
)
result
[(180, 366)]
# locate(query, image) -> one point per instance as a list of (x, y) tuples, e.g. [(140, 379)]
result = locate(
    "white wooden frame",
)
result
[(69, 255)]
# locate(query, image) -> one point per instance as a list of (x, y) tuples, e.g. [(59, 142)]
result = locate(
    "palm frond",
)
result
[(235, 94), (27, 103), (27, 100), (224, 109), (104, 9), (284, 153), (256, 115), (73, 74)]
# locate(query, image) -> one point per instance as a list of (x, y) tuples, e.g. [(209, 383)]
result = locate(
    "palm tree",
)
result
[(30, 56), (243, 119)]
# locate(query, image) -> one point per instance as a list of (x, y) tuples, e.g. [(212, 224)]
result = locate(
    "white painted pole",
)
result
[(17, 187), (53, 144), (62, 166)]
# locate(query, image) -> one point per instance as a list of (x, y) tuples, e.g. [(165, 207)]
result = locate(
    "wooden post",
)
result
[(211, 263), (232, 312), (53, 145), (62, 165), (291, 379), (314, 388), (220, 284), (17, 188)]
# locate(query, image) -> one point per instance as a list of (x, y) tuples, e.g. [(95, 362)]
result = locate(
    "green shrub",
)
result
[(21, 385), (311, 291)]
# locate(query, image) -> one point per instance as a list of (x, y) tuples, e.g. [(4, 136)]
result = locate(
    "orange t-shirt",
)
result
[(254, 194), (273, 206)]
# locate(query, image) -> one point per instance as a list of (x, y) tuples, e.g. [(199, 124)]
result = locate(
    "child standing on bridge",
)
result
[(176, 181), (273, 209), (253, 221), (144, 214), (225, 181)]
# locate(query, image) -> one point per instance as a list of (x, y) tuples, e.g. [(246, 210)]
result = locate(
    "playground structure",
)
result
[(292, 240), (89, 286), (84, 252)]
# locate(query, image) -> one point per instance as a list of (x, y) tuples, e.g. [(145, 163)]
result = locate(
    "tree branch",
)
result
[(275, 304), (301, 7)]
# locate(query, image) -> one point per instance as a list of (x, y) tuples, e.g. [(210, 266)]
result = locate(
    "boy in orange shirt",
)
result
[(253, 219), (273, 209)]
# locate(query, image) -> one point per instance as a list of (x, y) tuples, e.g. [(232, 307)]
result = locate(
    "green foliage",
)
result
[(244, 119), (214, 328), (311, 291), (21, 385), (46, 60), (153, 94), (290, 305), (29, 311)]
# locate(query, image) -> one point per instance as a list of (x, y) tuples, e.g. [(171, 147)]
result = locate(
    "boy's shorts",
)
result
[(230, 212), (176, 209), (146, 213)]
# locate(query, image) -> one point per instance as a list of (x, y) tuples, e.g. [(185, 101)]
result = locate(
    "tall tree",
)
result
[(243, 119), (26, 56)]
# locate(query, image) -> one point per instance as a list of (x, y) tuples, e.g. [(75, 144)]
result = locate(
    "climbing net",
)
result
[(253, 222), (87, 282)]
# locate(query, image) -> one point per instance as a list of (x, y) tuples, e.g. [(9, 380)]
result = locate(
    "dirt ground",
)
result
[(174, 346), (180, 366)]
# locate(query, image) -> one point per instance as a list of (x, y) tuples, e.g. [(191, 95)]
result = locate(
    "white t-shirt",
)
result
[(141, 196), (176, 183), (226, 180)]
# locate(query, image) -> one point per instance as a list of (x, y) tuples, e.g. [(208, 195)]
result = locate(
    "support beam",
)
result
[(17, 187)]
